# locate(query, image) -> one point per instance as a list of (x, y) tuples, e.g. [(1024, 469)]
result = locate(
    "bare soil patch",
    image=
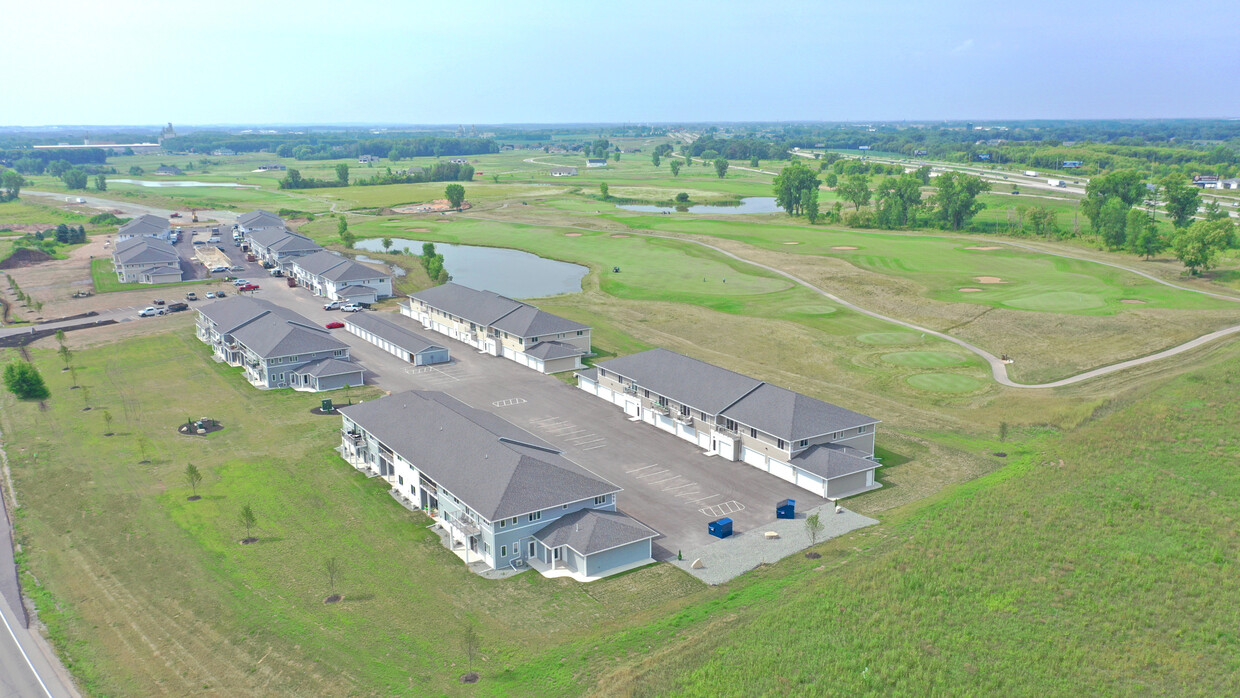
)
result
[(334, 598), (845, 247), (969, 290), (249, 541), (985, 247), (193, 498), (471, 677), (25, 257), (1132, 301), (989, 280), (436, 206), (619, 235), (572, 235), (417, 230)]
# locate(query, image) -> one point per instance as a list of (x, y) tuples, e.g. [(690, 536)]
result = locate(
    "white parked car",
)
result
[(240, 282), (334, 305), (150, 311), (351, 308), (210, 294), (217, 270)]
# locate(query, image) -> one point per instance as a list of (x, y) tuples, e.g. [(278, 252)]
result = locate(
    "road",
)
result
[(128, 208)]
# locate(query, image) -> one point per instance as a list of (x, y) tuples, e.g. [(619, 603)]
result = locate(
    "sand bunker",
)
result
[(572, 235), (970, 290), (985, 247), (989, 280), (436, 206), (792, 243), (845, 247), (418, 230), (1134, 301), (619, 235)]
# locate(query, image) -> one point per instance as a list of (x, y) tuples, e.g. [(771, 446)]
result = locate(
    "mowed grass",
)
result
[(144, 592), (1097, 563), (103, 276)]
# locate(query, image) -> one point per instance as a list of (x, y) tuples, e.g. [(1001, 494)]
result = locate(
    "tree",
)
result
[(1142, 235), (73, 375), (1197, 245), (23, 380), (855, 190), (1111, 221), (101, 182), (955, 201), (813, 526), (342, 174), (342, 229), (809, 204), (192, 478), (292, 179), (66, 355), (136, 171), (654, 158), (603, 189), (387, 244), (721, 167), (898, 199), (332, 567), (495, 178), (753, 162), (1041, 221), (789, 185), (675, 167), (74, 178), (1181, 201), (248, 520), (30, 166), (107, 422), (1125, 186), (455, 194), (682, 198), (831, 179), (469, 643), (56, 168), (1215, 212), (10, 185)]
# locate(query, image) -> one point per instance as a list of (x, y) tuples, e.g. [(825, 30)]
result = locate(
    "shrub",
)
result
[(23, 380)]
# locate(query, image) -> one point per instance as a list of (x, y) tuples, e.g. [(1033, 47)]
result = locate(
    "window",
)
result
[(781, 444), (663, 401), (684, 410), (600, 499), (536, 516), (292, 358), (563, 506), (503, 523), (753, 433), (802, 443), (580, 332), (534, 339), (861, 430), (401, 479), (503, 551), (646, 393), (514, 521)]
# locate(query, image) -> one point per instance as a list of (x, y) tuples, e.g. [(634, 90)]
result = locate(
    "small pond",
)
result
[(183, 183), (749, 204), (511, 273)]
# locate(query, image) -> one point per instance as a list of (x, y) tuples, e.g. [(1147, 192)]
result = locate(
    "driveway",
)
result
[(668, 483)]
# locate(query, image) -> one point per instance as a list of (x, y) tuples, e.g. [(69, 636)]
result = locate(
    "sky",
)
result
[(554, 61)]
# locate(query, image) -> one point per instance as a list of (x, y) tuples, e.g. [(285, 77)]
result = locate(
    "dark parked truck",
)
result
[(177, 307)]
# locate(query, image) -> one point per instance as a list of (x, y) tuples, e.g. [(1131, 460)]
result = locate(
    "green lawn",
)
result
[(103, 275), (144, 592)]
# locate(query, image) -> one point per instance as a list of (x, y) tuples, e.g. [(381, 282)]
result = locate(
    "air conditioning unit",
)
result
[(518, 563)]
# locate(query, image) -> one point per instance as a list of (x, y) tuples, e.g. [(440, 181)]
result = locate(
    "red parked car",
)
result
[(334, 325), (249, 287)]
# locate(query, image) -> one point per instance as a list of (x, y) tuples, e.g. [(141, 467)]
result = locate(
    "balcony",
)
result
[(661, 409), (631, 389)]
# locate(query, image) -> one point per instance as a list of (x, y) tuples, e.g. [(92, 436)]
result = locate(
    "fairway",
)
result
[(1057, 301), (944, 382), (885, 338), (924, 359)]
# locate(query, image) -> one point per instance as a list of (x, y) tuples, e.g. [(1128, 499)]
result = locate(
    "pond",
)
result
[(749, 204), (511, 273), (183, 183)]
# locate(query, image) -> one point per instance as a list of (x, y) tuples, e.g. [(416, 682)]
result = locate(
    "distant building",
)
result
[(1233, 183), (458, 161), (920, 153), (1206, 181), (223, 151), (1072, 164), (170, 170), (983, 156), (271, 167), (596, 162), (363, 159), (564, 172), (863, 147)]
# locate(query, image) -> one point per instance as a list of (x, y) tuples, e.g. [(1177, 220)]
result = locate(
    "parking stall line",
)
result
[(594, 447), (645, 467), (679, 487), (702, 499), (657, 473), (659, 482)]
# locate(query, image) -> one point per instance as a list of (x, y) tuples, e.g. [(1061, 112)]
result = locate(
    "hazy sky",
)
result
[(406, 61)]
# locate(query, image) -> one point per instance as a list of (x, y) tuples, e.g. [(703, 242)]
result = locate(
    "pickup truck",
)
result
[(248, 287), (150, 312)]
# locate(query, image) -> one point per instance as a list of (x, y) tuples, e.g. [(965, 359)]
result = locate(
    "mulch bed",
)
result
[(813, 556), (319, 411), (334, 598), (471, 677), (193, 498), (249, 541), (209, 429), (1001, 454)]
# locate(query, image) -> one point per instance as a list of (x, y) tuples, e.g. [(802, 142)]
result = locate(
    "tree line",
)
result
[(438, 172)]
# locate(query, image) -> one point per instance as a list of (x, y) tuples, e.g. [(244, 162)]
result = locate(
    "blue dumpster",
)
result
[(786, 509), (720, 529)]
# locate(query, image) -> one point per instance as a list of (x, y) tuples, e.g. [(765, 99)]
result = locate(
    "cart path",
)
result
[(998, 369)]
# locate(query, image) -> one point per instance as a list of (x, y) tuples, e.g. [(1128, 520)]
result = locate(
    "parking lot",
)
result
[(192, 268), (669, 484)]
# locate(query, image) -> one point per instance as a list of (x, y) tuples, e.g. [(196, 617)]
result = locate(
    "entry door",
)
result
[(531, 549), (473, 544), (555, 553)]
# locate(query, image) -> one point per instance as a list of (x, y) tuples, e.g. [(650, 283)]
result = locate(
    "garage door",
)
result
[(754, 458), (509, 353), (665, 423), (605, 393), (687, 433), (632, 407), (703, 438), (782, 470), (587, 385), (811, 482)]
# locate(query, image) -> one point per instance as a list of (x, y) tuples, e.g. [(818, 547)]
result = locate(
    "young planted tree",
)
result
[(332, 567), (469, 643), (66, 355), (73, 375), (192, 478), (248, 520), (813, 526), (107, 423), (495, 178), (387, 244), (144, 448), (85, 399)]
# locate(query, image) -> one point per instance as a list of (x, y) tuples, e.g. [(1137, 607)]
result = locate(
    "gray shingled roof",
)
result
[(714, 390), (233, 312), (355, 290), (494, 467), (548, 351), (792, 416), (830, 461), (590, 531), (142, 250), (259, 217), (162, 271), (528, 321), (396, 334), (702, 386), (334, 267), (328, 367), (293, 242), (491, 309), (146, 224), (270, 336)]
